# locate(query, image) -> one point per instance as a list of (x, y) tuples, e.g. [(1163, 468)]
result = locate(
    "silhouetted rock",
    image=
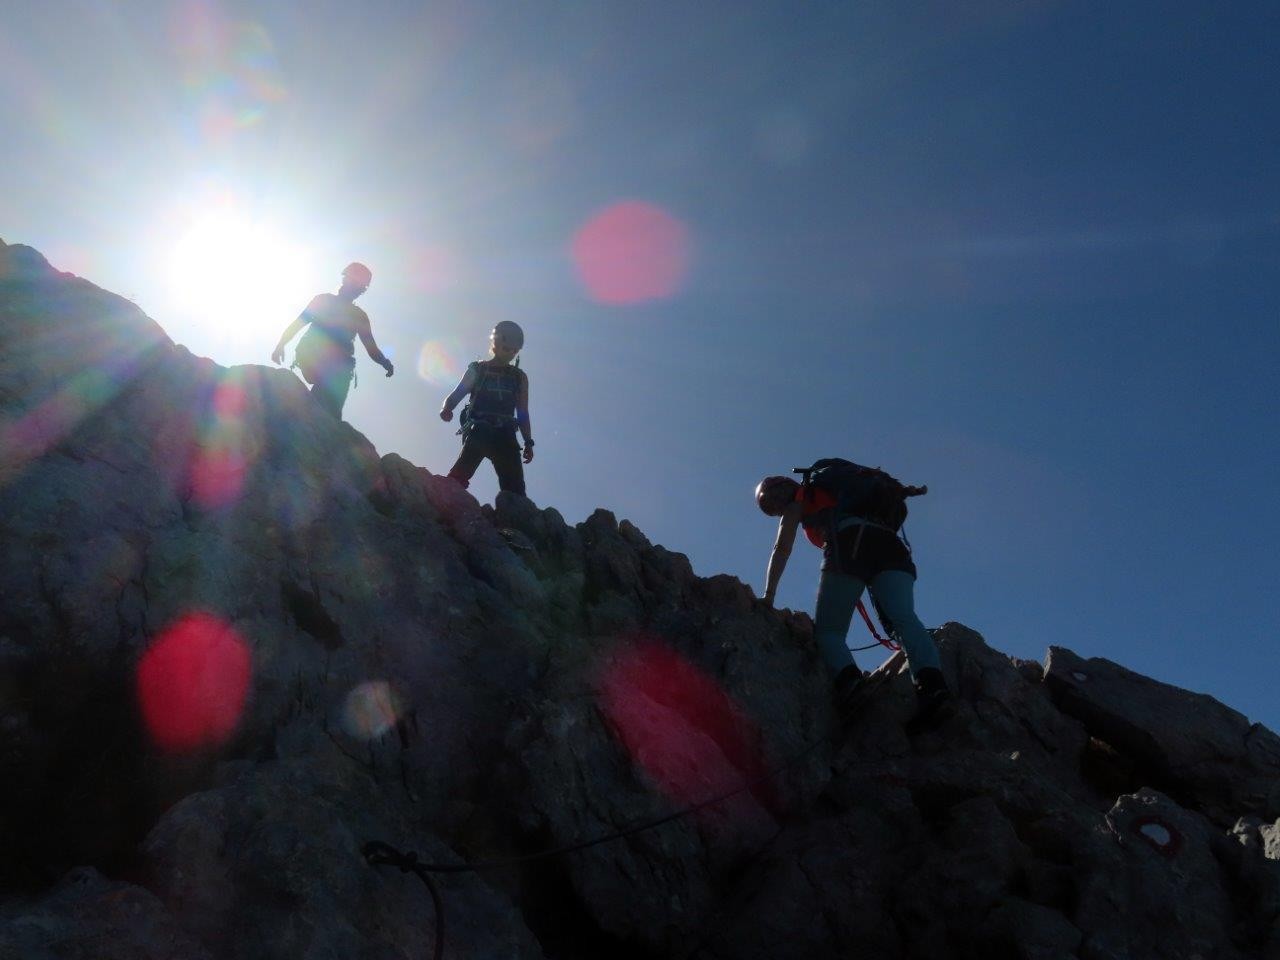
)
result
[(88, 917), (1209, 756), (236, 644)]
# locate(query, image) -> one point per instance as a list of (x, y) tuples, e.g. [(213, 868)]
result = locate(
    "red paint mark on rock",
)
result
[(1163, 837)]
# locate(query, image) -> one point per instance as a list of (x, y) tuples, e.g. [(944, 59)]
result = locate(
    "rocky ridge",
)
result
[(236, 644)]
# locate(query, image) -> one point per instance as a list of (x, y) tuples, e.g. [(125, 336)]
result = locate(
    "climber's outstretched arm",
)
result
[(291, 331), (365, 332), (522, 417), (465, 386), (787, 526)]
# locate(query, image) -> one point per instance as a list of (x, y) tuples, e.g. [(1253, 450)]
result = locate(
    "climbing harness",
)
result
[(835, 524), (880, 641), (487, 403)]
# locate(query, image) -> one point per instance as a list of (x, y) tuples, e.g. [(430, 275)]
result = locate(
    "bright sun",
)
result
[(237, 275)]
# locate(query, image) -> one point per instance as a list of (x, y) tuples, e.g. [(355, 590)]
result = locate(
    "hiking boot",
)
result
[(933, 700), (845, 689)]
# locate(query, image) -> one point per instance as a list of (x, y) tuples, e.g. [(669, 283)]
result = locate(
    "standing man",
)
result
[(326, 354)]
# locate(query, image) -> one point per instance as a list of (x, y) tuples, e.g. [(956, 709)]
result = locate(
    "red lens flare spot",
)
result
[(434, 269), (686, 734), (217, 474), (221, 459), (192, 684), (229, 402), (631, 252)]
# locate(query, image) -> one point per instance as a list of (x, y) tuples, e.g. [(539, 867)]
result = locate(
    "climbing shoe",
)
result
[(933, 700), (845, 689)]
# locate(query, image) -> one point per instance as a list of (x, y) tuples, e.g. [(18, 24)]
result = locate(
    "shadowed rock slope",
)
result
[(236, 644)]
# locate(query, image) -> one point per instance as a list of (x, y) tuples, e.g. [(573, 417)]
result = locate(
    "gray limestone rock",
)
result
[(1150, 885), (85, 916), (1189, 745), (236, 644), (271, 865)]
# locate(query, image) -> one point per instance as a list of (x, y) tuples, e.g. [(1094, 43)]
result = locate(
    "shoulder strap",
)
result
[(806, 480)]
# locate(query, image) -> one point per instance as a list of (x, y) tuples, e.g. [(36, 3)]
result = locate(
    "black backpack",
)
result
[(493, 398), (859, 491)]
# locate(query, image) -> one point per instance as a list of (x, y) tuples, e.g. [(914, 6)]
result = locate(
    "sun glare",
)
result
[(238, 275)]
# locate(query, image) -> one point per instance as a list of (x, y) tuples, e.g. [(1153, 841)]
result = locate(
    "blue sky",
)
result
[(1026, 253)]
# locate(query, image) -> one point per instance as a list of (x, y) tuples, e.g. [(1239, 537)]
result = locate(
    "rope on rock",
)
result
[(378, 853)]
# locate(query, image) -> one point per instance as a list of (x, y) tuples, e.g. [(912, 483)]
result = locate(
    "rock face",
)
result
[(236, 645)]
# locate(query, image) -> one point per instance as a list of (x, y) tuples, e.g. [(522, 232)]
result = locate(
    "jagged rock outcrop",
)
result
[(235, 644)]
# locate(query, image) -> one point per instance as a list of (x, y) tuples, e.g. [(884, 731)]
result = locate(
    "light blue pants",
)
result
[(893, 590)]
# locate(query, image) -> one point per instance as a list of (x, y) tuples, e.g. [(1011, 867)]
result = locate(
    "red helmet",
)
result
[(772, 489)]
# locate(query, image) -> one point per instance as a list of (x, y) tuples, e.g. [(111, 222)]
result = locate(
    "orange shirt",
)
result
[(815, 518)]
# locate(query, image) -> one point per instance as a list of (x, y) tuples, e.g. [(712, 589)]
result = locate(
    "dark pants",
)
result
[(869, 556), (328, 366), (331, 391), (500, 446)]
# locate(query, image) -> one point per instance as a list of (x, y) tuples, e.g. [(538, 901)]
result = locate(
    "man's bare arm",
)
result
[(465, 386), (787, 526), (522, 416), (291, 331), (365, 332)]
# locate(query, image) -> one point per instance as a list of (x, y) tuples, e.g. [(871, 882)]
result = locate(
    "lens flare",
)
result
[(437, 364), (230, 69), (538, 110), (295, 501), (631, 252), (371, 710), (74, 259), (433, 268), (192, 684), (223, 453), (687, 735), (40, 429)]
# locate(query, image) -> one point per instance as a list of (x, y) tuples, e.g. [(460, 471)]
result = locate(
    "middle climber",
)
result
[(499, 405)]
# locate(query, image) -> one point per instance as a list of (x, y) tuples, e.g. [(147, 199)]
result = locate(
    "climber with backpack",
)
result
[(499, 405), (854, 514), (326, 354)]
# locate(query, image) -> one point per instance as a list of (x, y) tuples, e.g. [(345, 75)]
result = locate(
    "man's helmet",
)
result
[(357, 274), (508, 333), (772, 489)]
